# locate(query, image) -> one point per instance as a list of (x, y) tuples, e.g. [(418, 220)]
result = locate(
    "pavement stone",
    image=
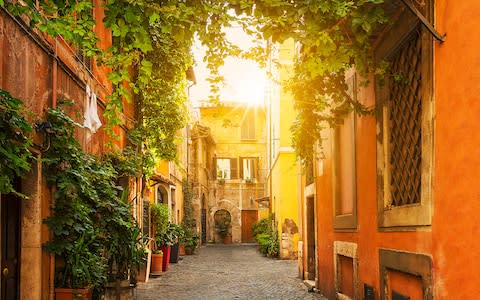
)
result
[(227, 272)]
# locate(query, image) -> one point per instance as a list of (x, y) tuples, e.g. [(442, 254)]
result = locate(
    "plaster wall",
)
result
[(452, 236), (283, 184), (457, 155), (234, 194), (285, 205), (40, 70)]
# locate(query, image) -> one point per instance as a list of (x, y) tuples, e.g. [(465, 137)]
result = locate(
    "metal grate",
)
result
[(405, 107)]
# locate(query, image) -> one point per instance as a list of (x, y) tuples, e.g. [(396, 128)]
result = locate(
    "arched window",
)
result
[(162, 196)]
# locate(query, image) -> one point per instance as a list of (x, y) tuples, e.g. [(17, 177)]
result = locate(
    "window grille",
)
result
[(405, 127)]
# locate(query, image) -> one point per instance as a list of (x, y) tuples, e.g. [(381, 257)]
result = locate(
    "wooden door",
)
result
[(248, 218), (311, 247), (10, 245), (204, 226)]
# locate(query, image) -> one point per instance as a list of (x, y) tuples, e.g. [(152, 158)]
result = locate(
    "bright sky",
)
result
[(244, 80)]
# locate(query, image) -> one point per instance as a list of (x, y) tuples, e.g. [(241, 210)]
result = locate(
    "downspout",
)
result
[(270, 144)]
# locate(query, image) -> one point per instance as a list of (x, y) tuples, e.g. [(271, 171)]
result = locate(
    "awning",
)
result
[(158, 178), (263, 201)]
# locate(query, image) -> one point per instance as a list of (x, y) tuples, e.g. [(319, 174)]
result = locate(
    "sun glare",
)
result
[(244, 80)]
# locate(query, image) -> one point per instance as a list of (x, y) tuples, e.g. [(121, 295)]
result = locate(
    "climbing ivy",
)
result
[(151, 42), (15, 141), (94, 233)]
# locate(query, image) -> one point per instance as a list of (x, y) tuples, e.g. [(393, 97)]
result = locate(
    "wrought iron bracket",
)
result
[(425, 22)]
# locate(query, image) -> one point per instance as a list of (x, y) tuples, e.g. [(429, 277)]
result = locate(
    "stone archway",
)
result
[(235, 214)]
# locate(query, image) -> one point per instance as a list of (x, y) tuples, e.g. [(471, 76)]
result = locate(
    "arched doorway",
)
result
[(223, 225)]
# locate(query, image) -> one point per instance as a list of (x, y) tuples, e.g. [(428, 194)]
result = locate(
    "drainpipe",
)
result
[(271, 137), (54, 105)]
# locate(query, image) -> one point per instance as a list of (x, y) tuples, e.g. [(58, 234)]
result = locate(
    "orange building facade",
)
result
[(391, 210), (41, 71)]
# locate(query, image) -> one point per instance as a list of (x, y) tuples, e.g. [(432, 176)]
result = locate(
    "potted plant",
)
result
[(163, 236), (145, 266), (165, 240), (157, 262), (223, 229), (190, 240), (124, 251), (178, 233)]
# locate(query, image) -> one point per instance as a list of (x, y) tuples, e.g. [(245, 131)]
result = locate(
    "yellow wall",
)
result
[(283, 177), (235, 194)]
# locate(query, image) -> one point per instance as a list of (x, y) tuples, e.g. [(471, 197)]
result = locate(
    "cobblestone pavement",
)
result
[(227, 272)]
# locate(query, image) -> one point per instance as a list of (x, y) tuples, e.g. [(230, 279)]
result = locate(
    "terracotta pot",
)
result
[(142, 275), (156, 265), (189, 250), (73, 294), (181, 249), (227, 239), (166, 258)]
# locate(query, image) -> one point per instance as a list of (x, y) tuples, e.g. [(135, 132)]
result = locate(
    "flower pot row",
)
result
[(113, 290)]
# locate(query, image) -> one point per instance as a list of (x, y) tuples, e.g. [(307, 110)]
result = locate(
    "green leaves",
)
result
[(92, 226), (152, 42), (15, 140)]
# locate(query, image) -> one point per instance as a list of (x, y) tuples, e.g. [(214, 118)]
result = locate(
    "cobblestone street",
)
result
[(227, 272)]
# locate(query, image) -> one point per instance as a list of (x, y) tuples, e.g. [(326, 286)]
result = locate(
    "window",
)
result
[(162, 196), (345, 257), (345, 206), (404, 99), (248, 168), (407, 271), (248, 126), (226, 168)]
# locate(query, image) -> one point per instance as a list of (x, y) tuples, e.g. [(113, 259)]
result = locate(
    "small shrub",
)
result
[(261, 226), (266, 235)]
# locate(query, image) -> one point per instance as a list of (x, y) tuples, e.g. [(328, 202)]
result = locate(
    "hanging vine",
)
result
[(151, 35), (94, 232), (15, 140)]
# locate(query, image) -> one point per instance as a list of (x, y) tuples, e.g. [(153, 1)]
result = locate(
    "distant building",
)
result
[(236, 164), (282, 179)]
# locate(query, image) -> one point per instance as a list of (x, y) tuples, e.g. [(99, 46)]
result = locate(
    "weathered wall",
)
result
[(449, 241), (457, 155), (283, 168), (225, 126), (40, 71), (285, 204)]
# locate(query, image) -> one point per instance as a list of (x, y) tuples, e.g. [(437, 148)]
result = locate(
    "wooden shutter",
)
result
[(233, 168), (240, 168)]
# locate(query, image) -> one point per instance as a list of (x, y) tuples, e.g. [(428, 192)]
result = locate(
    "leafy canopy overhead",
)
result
[(154, 38)]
